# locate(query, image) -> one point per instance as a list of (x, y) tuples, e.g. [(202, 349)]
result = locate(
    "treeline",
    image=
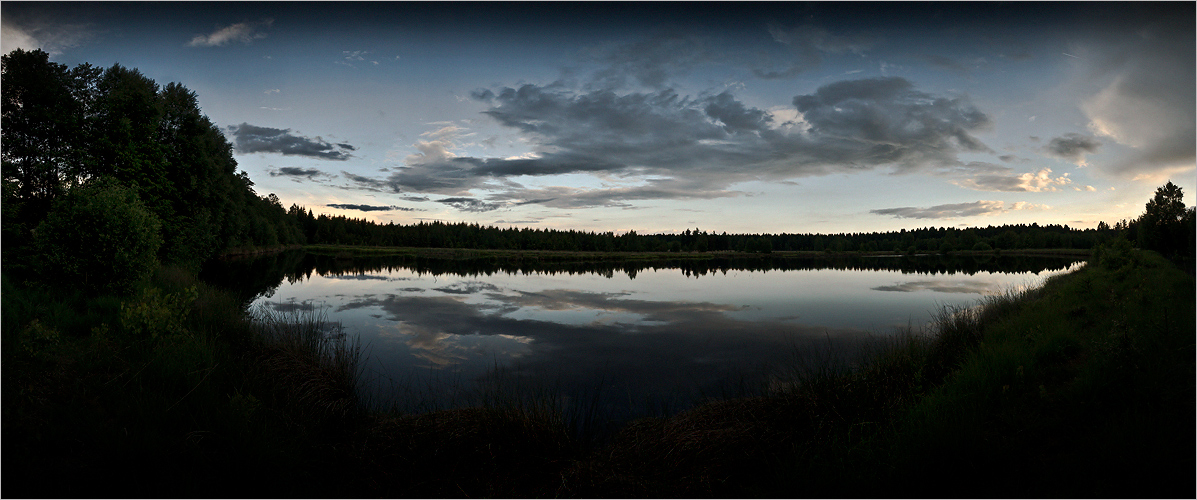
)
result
[(114, 132), (324, 229), (1165, 226)]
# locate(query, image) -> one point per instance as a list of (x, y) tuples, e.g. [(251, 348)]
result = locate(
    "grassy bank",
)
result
[(1083, 387), (1079, 388), (171, 391)]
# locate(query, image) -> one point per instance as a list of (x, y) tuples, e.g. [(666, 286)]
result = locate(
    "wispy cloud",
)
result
[(956, 210), (53, 37), (807, 45), (245, 32), (650, 62)]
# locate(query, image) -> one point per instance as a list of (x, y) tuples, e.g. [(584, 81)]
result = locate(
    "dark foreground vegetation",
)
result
[(1083, 387), (125, 375)]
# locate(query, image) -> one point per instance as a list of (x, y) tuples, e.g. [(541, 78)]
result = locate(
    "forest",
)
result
[(107, 165)]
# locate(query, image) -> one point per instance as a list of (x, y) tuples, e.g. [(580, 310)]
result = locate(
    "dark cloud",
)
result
[(367, 183), (691, 147), (371, 208), (1145, 62), (253, 139), (949, 211), (897, 123), (1072, 147), (735, 117), (470, 204), (296, 173)]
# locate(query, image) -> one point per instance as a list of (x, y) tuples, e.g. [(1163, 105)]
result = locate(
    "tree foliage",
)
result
[(63, 127), (99, 237), (1166, 226)]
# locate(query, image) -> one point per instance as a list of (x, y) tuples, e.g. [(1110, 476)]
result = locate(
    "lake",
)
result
[(620, 337)]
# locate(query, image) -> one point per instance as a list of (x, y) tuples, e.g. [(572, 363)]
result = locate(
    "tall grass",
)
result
[(312, 361)]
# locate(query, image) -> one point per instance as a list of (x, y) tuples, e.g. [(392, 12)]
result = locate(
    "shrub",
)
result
[(154, 314), (98, 237), (981, 246)]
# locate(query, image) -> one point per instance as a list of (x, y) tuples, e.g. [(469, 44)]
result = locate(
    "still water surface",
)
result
[(632, 339)]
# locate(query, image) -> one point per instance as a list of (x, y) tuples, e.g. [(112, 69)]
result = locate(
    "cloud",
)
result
[(1029, 182), (239, 32), (684, 147), (658, 345), (367, 183), (292, 306), (1072, 147), (29, 33), (948, 64), (1146, 100), (943, 286), (371, 208), (468, 288), (470, 204), (353, 56), (955, 210), (567, 197), (649, 62), (807, 44), (253, 139), (296, 173), (890, 122)]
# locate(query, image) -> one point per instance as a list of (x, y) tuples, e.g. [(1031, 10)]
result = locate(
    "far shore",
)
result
[(349, 251)]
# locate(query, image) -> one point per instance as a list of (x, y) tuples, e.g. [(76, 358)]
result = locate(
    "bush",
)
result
[(98, 237), (981, 246)]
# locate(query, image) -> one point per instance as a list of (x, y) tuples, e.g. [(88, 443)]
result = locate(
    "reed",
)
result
[(317, 367)]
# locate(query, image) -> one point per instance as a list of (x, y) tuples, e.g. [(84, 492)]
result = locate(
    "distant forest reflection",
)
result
[(253, 277)]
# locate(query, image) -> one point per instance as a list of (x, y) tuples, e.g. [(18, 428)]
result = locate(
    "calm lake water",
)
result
[(627, 338)]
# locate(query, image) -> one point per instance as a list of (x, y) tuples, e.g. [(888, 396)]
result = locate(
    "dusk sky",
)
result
[(658, 117)]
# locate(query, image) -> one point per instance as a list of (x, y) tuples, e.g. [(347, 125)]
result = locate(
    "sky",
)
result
[(730, 117)]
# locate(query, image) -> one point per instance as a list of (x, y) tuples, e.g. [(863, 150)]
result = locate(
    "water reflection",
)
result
[(966, 286), (633, 338)]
